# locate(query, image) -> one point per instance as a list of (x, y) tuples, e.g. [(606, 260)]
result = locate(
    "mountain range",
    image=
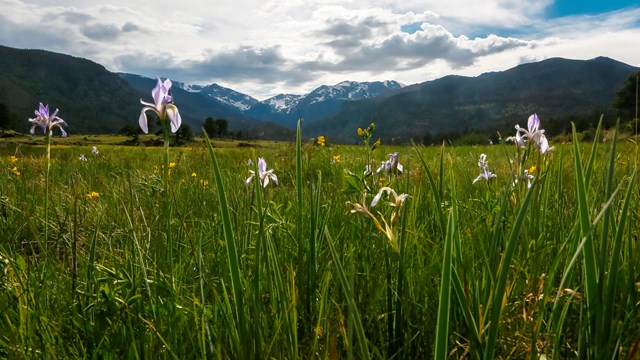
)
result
[(94, 100)]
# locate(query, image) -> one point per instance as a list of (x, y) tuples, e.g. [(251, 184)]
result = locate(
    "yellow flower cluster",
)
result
[(337, 159), (321, 140), (171, 166), (13, 159), (92, 195), (15, 171)]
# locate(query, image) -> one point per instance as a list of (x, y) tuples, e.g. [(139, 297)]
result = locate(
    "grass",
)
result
[(482, 271)]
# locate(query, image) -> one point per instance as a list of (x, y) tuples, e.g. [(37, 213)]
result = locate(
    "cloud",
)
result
[(261, 65), (100, 32), (74, 17), (130, 27), (357, 49), (295, 45)]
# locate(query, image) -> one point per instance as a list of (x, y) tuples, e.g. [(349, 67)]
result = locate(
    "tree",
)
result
[(130, 130), (184, 134), (216, 128), (627, 99), (7, 118), (209, 126)]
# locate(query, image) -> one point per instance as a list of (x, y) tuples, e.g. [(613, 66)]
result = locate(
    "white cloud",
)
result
[(293, 45)]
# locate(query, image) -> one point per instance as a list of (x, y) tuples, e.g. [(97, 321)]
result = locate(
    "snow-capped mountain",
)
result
[(283, 109), (323, 102), (284, 103), (343, 91), (222, 94), (230, 97), (351, 90)]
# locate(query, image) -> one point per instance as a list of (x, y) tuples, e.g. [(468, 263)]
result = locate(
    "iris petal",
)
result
[(174, 117), (142, 121)]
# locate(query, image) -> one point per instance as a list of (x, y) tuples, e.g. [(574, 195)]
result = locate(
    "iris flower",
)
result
[(264, 174), (163, 107), (534, 133), (484, 166), (527, 176), (47, 121), (391, 165), (388, 229), (398, 200)]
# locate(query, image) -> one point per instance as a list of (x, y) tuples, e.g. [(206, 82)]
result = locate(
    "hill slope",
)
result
[(554, 88), (93, 100), (90, 98)]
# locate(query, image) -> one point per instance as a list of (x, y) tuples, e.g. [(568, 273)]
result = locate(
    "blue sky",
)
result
[(568, 7), (267, 47)]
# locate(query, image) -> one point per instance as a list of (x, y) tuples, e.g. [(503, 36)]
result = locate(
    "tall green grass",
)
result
[(195, 264)]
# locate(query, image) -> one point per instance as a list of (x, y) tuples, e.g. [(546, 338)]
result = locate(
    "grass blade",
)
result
[(344, 282), (435, 189), (504, 272), (232, 256), (444, 298), (590, 266)]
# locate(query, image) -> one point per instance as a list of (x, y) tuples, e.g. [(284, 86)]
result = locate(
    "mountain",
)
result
[(90, 98), (197, 103), (285, 109), (323, 102), (194, 102), (224, 95), (94, 100), (555, 88)]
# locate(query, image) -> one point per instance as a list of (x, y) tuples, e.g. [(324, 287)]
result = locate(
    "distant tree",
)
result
[(472, 138), (130, 130), (216, 128), (223, 127), (209, 126), (627, 97), (183, 135), (7, 118)]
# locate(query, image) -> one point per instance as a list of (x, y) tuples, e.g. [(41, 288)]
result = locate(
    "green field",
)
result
[(118, 258)]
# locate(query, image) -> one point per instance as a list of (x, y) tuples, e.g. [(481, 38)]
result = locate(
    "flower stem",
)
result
[(47, 165), (167, 197)]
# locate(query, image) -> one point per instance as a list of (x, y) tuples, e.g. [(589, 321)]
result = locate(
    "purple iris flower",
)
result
[(46, 121), (163, 107)]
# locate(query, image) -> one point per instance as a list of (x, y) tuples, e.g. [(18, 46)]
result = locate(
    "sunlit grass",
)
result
[(288, 271)]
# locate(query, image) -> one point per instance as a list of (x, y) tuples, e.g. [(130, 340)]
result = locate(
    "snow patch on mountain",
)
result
[(285, 103), (289, 103)]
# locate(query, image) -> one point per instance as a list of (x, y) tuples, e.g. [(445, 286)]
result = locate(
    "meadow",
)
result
[(129, 254)]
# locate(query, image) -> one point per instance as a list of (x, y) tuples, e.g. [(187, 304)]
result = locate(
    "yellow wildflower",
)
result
[(13, 159), (336, 158), (92, 195), (194, 174), (532, 169), (172, 165), (204, 183), (15, 171), (321, 140)]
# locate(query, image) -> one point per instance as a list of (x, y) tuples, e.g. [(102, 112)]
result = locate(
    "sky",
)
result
[(268, 47)]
